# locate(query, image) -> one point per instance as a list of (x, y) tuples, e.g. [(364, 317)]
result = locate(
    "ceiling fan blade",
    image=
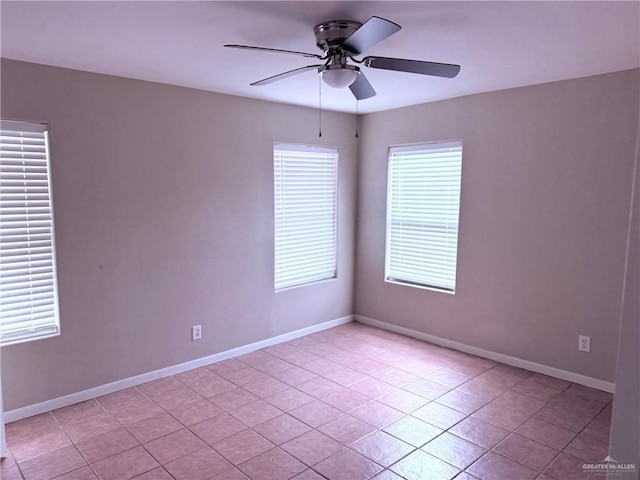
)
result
[(280, 76), (413, 66), (275, 50), (361, 88), (369, 34)]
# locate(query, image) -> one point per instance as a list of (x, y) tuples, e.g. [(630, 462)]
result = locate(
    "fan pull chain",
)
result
[(319, 106), (357, 118)]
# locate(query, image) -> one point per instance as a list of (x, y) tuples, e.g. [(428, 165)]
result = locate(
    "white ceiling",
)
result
[(499, 44)]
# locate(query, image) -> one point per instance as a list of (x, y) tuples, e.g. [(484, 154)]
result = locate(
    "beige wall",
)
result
[(546, 186), (625, 433), (163, 202)]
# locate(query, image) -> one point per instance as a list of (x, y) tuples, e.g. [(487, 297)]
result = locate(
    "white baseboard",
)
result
[(42, 407), (498, 357)]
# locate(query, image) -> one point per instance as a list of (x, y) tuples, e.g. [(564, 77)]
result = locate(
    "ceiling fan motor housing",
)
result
[(330, 35)]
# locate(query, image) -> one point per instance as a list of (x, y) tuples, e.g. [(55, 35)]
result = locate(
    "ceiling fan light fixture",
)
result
[(339, 76)]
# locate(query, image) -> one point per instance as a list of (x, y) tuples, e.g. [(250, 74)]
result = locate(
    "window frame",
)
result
[(426, 283), (306, 149), (53, 328)]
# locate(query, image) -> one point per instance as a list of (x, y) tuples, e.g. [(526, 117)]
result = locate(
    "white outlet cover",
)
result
[(584, 343), (196, 332)]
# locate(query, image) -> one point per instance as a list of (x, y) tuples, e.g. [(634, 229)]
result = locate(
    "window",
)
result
[(305, 184), (28, 290), (423, 201)]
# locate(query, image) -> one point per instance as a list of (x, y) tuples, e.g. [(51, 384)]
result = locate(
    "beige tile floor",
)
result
[(349, 403)]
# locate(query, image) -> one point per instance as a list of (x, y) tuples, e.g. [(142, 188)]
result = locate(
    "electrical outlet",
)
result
[(196, 332), (584, 343)]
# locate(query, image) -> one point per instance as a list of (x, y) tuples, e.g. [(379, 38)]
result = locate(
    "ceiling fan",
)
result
[(343, 40)]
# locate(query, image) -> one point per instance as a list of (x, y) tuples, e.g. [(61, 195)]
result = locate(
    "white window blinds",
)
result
[(305, 185), (28, 290), (423, 201)]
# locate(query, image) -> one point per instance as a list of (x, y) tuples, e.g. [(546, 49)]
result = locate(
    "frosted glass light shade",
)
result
[(339, 77)]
